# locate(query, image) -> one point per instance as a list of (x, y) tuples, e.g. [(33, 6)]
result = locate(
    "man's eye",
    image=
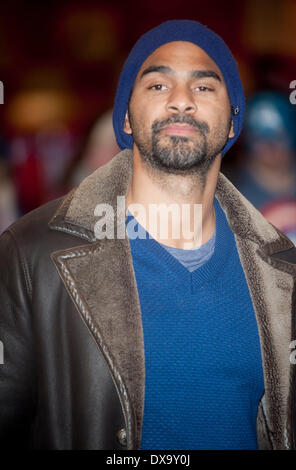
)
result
[(158, 87), (203, 88)]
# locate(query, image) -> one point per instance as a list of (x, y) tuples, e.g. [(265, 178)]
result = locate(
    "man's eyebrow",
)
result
[(194, 73), (205, 74), (157, 68)]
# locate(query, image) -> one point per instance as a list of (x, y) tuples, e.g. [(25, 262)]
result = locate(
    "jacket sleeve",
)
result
[(17, 376)]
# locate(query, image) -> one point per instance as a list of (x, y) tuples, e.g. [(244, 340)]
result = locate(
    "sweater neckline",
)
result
[(211, 269)]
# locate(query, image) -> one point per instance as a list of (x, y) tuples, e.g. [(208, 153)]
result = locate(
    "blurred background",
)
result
[(60, 62)]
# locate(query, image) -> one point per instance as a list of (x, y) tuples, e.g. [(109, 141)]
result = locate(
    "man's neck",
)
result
[(186, 216)]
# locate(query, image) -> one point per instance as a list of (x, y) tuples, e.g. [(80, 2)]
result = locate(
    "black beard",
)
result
[(179, 154)]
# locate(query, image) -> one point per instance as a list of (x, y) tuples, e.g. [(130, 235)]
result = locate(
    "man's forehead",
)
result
[(179, 52)]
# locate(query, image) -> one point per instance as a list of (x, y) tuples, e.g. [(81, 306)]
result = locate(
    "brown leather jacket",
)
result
[(70, 323)]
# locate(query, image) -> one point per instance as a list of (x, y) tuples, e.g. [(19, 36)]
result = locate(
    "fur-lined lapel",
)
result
[(272, 287), (100, 278)]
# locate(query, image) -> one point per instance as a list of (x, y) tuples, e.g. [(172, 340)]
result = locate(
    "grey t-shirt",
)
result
[(193, 259)]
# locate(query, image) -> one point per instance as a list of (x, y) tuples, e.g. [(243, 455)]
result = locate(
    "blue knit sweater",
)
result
[(204, 376)]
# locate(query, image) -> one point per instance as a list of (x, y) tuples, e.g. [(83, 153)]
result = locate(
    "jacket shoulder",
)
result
[(34, 236), (34, 224)]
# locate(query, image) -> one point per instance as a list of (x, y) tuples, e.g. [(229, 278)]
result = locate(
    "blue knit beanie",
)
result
[(178, 30)]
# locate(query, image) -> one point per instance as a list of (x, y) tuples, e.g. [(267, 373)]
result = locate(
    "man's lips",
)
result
[(178, 129)]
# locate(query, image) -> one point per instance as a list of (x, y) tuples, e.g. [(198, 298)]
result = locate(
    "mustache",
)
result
[(202, 126)]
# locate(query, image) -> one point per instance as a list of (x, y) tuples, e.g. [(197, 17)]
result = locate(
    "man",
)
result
[(136, 342)]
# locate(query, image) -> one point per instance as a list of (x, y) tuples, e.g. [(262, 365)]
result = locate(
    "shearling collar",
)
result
[(76, 214)]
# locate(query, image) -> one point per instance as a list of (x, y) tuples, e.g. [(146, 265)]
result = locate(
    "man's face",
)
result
[(179, 112)]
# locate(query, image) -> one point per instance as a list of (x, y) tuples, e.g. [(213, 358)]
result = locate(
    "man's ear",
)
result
[(231, 132), (127, 126)]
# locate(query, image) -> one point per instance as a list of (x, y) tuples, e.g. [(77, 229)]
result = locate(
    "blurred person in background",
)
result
[(267, 173), (97, 149), (42, 143)]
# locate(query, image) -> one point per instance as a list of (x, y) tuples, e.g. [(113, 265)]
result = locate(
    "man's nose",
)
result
[(181, 100)]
